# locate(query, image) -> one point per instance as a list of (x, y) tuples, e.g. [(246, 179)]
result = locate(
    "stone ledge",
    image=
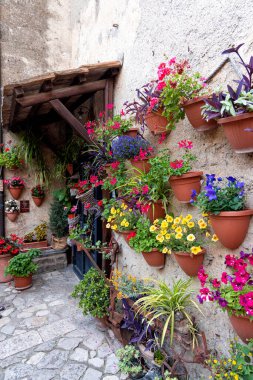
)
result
[(51, 260)]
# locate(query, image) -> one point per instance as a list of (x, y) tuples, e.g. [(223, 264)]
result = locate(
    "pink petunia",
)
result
[(110, 106), (113, 181)]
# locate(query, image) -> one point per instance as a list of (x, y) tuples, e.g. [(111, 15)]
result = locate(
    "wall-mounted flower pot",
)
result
[(12, 216), (22, 283), (155, 258), (125, 234), (38, 201), (70, 169), (183, 185), (235, 129), (142, 165), (16, 191), (156, 122), (189, 262), (231, 227), (156, 211), (35, 244), (132, 132), (242, 326), (193, 112), (4, 262)]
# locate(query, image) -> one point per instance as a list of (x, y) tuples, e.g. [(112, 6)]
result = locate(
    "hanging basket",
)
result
[(73, 221), (192, 109), (87, 197)]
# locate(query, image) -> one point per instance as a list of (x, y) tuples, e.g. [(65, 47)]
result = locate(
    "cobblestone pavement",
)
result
[(43, 334)]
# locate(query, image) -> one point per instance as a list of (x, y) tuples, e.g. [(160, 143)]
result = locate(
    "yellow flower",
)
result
[(207, 234), (118, 210), (163, 232), (196, 250), (109, 219), (215, 361), (184, 221), (126, 224), (121, 214), (167, 236), (152, 228), (130, 210), (108, 225), (156, 221), (200, 221), (113, 211), (190, 237), (191, 224), (169, 218), (114, 227), (177, 220), (202, 226), (160, 238), (165, 250), (236, 377), (204, 214), (122, 205), (173, 226), (123, 222), (164, 224), (188, 217), (178, 230), (179, 236), (234, 362), (215, 238)]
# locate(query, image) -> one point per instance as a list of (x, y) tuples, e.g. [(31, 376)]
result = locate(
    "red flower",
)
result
[(116, 125), (145, 189), (122, 113), (101, 114), (87, 206), (110, 106), (186, 144), (224, 278), (115, 165), (113, 181), (93, 179), (100, 203), (161, 86), (145, 208), (162, 137), (7, 149), (173, 84), (131, 235), (177, 164), (216, 283)]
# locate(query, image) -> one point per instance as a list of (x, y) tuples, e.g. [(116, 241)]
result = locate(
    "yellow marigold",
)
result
[(167, 236), (152, 228), (190, 224), (184, 221), (215, 237), (114, 227), (169, 218), (178, 230), (177, 220), (190, 237), (160, 238), (119, 295), (200, 221), (163, 232), (108, 225), (113, 211), (188, 217), (179, 236), (196, 250), (164, 224), (203, 226), (173, 226)]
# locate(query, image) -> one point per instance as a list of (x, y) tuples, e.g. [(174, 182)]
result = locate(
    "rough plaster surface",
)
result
[(140, 33)]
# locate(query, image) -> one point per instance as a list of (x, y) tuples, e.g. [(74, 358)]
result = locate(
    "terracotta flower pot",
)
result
[(231, 227), (155, 258), (125, 234), (22, 283), (70, 169), (235, 129), (242, 326), (183, 185), (156, 211), (35, 244), (12, 216), (142, 165), (193, 112), (4, 262), (156, 122), (189, 262), (16, 191), (38, 201), (132, 132)]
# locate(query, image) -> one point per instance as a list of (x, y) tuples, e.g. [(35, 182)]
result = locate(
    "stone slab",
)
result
[(19, 343), (56, 329)]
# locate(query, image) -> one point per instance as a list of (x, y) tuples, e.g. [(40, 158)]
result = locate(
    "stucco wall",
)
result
[(197, 30)]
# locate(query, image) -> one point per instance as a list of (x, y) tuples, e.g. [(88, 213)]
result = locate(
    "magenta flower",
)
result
[(202, 276), (216, 283), (110, 106), (145, 189), (113, 181), (224, 278), (115, 165), (185, 144)]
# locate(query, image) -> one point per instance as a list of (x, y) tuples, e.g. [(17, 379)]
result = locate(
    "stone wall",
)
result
[(141, 32)]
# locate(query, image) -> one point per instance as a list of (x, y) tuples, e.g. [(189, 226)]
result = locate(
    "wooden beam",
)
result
[(59, 107), (31, 100), (108, 97), (18, 92), (46, 86)]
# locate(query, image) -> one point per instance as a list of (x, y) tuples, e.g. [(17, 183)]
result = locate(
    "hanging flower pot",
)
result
[(183, 185), (156, 211), (156, 122), (231, 227), (16, 191), (4, 262), (155, 258), (12, 216), (235, 129), (125, 234), (142, 165), (38, 201), (132, 132), (189, 262), (70, 169), (242, 326), (22, 283), (192, 109)]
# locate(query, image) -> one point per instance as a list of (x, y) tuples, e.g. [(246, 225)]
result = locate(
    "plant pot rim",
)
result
[(187, 175), (29, 275), (33, 196), (11, 212), (239, 316), (247, 212), (157, 112), (153, 250), (195, 100), (5, 255), (125, 232), (16, 187), (228, 119), (189, 254), (143, 159), (133, 129)]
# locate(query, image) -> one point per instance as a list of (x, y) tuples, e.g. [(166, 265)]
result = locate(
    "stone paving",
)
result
[(43, 334)]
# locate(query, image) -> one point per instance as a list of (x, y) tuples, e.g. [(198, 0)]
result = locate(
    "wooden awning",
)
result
[(55, 96)]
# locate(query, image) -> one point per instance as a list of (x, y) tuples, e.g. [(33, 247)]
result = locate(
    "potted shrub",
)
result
[(136, 149), (9, 247), (36, 238), (11, 157), (223, 200), (233, 109), (145, 241), (38, 195), (130, 361), (11, 209), (166, 306), (182, 179), (15, 186), (93, 293), (233, 292), (238, 365), (22, 267), (58, 223), (185, 238)]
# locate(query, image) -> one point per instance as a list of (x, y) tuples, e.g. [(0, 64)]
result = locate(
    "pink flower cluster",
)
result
[(185, 144), (143, 154), (90, 125), (176, 164)]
